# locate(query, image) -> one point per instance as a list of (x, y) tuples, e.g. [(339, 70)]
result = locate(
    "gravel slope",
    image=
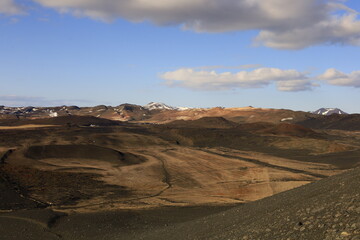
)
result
[(327, 209)]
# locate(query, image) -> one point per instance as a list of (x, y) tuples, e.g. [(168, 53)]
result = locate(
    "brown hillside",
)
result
[(349, 122), (289, 130), (205, 122)]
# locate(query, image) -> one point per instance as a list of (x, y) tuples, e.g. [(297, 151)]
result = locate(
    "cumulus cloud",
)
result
[(286, 80), (336, 30), (246, 66), (9, 7), (200, 15), (284, 24), (335, 77), (294, 85)]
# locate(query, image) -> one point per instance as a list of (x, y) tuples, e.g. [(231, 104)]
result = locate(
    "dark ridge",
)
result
[(82, 152), (286, 129), (64, 120), (205, 122), (349, 122), (256, 126), (72, 107), (289, 130), (131, 107)]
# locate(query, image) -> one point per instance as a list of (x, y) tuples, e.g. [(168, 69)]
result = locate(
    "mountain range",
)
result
[(160, 113)]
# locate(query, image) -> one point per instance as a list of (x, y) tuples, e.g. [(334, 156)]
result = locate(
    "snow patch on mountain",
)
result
[(163, 106), (53, 114), (329, 111), (287, 119), (182, 108), (158, 106)]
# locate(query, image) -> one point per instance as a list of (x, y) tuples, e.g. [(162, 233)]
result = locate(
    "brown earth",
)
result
[(206, 161), (205, 122), (349, 122), (239, 115), (81, 170)]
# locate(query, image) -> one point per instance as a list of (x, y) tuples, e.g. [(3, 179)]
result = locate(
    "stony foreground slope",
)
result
[(327, 209)]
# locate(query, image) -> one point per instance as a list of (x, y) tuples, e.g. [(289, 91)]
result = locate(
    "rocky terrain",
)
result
[(155, 171), (328, 209)]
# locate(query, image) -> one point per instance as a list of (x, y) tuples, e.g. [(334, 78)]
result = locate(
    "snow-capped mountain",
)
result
[(329, 111), (158, 106), (163, 106), (123, 112)]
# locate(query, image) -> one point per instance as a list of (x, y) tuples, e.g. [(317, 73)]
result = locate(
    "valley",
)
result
[(76, 165)]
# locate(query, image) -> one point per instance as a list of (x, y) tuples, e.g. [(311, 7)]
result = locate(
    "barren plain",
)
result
[(143, 174)]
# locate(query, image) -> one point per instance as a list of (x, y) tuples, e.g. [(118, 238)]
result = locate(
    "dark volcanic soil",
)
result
[(12, 198), (327, 209), (252, 139), (205, 122), (64, 166), (50, 187), (63, 120), (83, 151), (350, 122)]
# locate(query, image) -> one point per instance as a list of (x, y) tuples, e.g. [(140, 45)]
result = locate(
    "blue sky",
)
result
[(94, 52)]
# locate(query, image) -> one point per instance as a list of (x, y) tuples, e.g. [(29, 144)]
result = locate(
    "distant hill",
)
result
[(158, 106), (285, 129), (329, 111), (63, 120), (289, 130), (349, 122), (155, 112), (162, 106), (205, 122)]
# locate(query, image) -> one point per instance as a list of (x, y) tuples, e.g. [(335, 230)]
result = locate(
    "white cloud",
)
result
[(336, 30), (9, 7), (200, 15), (286, 80), (294, 85), (335, 77), (246, 66), (284, 24)]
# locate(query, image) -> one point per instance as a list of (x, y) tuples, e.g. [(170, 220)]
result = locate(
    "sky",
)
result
[(299, 55)]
